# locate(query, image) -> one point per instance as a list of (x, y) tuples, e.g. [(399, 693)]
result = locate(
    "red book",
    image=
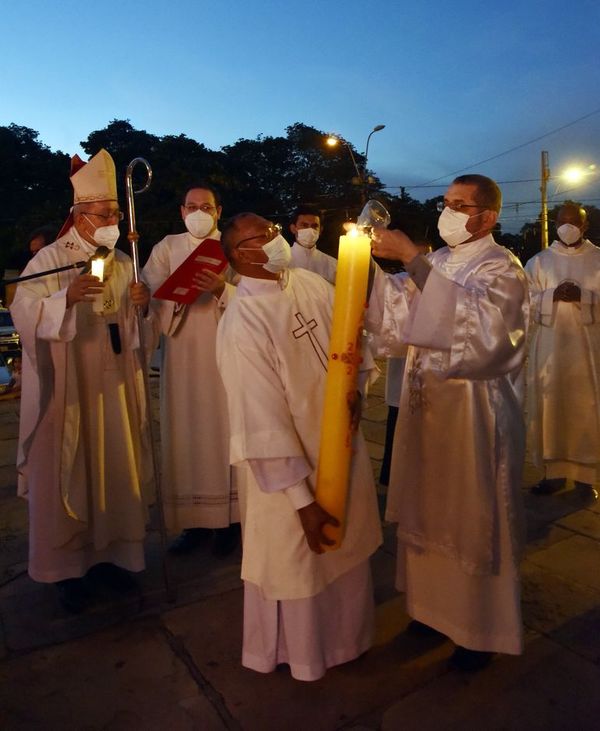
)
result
[(180, 286)]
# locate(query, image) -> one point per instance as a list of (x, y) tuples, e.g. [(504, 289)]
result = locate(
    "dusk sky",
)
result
[(455, 83)]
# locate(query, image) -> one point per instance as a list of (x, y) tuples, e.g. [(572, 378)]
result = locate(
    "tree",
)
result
[(34, 187)]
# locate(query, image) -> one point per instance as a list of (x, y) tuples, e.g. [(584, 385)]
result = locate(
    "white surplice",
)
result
[(83, 443), (197, 484), (314, 261), (459, 442), (563, 387), (272, 350)]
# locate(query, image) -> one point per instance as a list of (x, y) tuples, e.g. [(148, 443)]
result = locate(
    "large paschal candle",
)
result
[(335, 452)]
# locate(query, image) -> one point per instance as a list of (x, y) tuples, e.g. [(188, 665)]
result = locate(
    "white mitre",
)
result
[(95, 180)]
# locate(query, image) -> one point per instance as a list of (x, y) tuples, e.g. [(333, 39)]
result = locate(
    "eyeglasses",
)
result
[(440, 205), (205, 207), (272, 230), (119, 215)]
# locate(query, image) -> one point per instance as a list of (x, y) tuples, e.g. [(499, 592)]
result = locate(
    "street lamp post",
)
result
[(362, 177), (544, 192)]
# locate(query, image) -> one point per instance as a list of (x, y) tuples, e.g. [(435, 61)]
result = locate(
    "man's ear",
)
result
[(293, 228), (492, 218)]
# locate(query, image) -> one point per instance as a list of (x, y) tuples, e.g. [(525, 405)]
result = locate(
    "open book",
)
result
[(180, 287)]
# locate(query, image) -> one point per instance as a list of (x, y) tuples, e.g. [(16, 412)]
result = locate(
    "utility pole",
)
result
[(544, 192)]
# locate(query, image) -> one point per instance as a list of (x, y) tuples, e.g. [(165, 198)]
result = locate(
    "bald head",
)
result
[(237, 228), (572, 213)]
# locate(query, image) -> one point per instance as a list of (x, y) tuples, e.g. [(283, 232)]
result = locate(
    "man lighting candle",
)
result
[(82, 435), (458, 449), (302, 606)]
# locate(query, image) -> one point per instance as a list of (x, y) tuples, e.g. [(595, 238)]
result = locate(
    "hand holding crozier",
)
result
[(393, 244)]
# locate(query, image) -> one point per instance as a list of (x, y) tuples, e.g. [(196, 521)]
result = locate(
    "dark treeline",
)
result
[(268, 175)]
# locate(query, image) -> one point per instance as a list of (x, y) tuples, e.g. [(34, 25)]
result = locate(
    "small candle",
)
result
[(335, 452), (98, 271)]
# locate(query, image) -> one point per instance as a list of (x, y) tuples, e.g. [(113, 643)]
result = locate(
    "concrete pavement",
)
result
[(139, 662)]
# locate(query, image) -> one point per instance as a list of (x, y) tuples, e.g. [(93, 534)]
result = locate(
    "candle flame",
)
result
[(98, 268)]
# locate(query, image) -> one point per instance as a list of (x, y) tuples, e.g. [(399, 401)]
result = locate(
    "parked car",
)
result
[(9, 337)]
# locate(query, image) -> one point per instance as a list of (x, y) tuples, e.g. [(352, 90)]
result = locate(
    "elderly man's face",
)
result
[(93, 215), (252, 233)]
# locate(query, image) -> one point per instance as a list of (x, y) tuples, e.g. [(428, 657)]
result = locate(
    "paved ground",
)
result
[(142, 662)]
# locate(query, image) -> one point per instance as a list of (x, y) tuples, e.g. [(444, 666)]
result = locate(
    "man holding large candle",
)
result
[(458, 453), (303, 606), (83, 437)]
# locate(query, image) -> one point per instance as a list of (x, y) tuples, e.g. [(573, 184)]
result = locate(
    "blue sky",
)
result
[(454, 82)]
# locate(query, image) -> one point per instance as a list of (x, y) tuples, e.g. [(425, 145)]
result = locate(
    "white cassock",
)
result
[(314, 261), (311, 611), (459, 442), (83, 443), (197, 485), (563, 388)]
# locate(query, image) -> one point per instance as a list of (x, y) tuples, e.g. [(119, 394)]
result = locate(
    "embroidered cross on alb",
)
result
[(306, 328)]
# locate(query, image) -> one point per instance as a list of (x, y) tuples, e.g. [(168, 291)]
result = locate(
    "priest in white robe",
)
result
[(83, 439), (302, 606), (458, 449), (197, 484), (305, 225), (563, 396)]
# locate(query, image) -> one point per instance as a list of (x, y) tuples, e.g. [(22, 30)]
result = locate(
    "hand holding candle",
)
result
[(393, 245)]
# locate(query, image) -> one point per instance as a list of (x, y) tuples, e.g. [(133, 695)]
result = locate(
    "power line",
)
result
[(512, 149), (444, 185)]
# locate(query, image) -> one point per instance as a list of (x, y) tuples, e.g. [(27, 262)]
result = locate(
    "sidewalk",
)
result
[(144, 663)]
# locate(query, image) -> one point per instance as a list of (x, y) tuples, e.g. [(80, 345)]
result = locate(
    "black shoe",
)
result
[(418, 629), (226, 540), (189, 540), (548, 487), (73, 595), (114, 577), (470, 661)]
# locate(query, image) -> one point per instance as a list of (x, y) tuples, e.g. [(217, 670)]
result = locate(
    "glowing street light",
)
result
[(334, 140), (573, 175), (576, 173)]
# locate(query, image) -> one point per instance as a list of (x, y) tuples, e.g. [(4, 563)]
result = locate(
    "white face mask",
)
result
[(569, 234), (199, 224), (452, 226), (279, 253), (105, 235), (307, 237)]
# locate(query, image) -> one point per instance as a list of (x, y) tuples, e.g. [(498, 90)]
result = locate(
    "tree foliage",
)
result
[(268, 175)]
